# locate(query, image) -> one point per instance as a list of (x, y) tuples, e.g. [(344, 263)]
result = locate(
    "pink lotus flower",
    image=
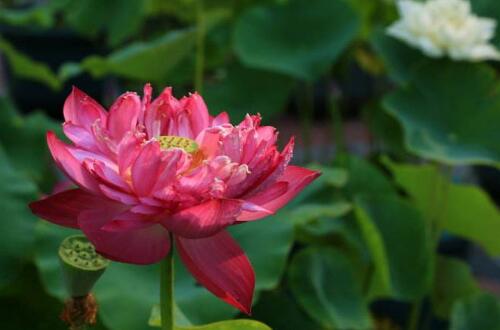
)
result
[(147, 169)]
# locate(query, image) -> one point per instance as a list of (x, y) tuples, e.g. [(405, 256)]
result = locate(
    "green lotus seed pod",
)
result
[(81, 265)]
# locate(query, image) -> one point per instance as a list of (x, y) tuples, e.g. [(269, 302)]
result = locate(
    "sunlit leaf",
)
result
[(27, 68), (466, 210), (450, 113)]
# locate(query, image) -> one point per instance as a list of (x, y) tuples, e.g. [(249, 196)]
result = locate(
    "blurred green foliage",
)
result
[(366, 231)]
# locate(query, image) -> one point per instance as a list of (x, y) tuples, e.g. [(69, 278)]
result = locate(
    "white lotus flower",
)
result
[(445, 28)]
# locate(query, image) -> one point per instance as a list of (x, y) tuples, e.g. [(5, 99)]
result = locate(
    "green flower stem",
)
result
[(167, 291), (201, 31)]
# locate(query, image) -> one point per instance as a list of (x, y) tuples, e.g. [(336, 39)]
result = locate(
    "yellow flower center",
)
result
[(171, 141)]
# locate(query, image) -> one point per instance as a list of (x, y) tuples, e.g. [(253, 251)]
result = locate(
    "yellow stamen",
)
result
[(171, 141)]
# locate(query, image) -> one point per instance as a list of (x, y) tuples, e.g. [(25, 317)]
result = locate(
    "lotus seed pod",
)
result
[(170, 141), (81, 265)]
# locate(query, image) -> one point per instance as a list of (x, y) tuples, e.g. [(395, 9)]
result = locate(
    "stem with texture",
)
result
[(167, 291)]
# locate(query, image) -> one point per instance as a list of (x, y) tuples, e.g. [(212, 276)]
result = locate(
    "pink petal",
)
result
[(279, 169), (263, 180), (80, 109), (144, 245), (253, 209), (123, 115), (80, 136), (128, 220), (69, 164), (203, 220), (232, 145), (145, 169), (118, 195), (61, 186), (272, 199), (146, 101), (209, 143), (167, 172), (160, 112), (128, 150), (198, 113), (109, 176), (219, 264), (63, 208), (221, 118), (195, 183)]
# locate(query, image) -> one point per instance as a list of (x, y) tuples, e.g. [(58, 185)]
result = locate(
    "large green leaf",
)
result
[(300, 38), (26, 68), (41, 16), (373, 14), (322, 282), (387, 130), (464, 210), (250, 91), (310, 212), (450, 113), (143, 61), (397, 238), (479, 312), (274, 305), (267, 244), (223, 325), (366, 178), (17, 225), (24, 141), (230, 325), (423, 183), (120, 18), (128, 288), (452, 281), (400, 61)]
